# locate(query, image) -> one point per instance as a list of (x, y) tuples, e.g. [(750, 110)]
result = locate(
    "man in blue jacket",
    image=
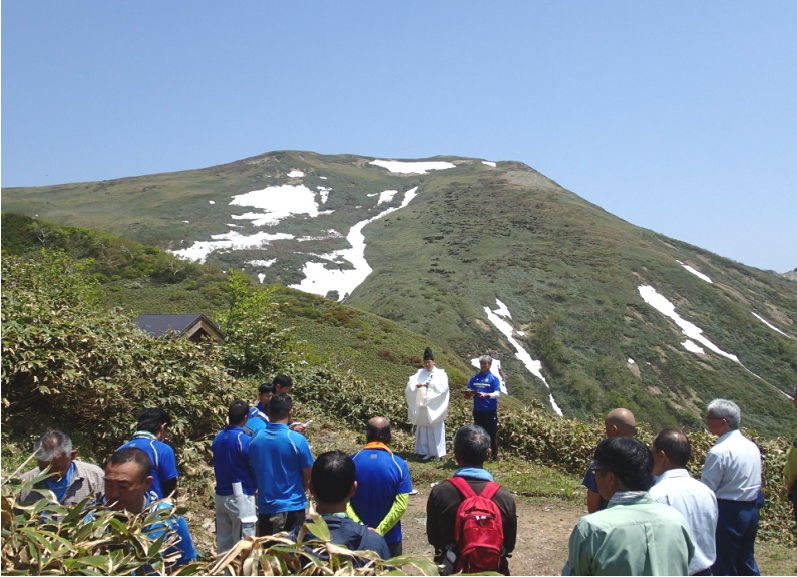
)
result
[(485, 388), (236, 512)]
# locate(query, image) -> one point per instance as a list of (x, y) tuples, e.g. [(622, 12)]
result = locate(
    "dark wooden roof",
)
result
[(191, 326)]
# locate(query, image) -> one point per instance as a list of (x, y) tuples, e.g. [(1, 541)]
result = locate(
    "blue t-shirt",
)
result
[(231, 461), (164, 465), (177, 524), (256, 424), (60, 486), (488, 383), (277, 457), (381, 476)]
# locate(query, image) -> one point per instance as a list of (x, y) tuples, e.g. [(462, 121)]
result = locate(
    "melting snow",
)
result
[(488, 163), (278, 202), (695, 272), (495, 368), (400, 167), (320, 280), (262, 262), (774, 328), (324, 192), (261, 276), (665, 307), (693, 347), (534, 367), (212, 201), (631, 361), (199, 251), (295, 174)]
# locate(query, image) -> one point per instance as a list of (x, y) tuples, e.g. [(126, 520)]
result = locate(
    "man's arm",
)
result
[(433, 533), (712, 472), (394, 514)]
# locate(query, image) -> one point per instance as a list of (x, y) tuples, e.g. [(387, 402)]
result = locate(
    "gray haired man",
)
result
[(72, 482)]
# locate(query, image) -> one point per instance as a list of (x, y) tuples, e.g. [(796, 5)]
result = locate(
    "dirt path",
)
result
[(544, 527)]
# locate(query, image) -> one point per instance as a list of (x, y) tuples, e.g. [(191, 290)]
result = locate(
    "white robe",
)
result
[(427, 408)]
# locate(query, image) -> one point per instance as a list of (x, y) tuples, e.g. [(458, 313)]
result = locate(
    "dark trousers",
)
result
[(273, 523), (489, 421), (395, 549), (737, 528)]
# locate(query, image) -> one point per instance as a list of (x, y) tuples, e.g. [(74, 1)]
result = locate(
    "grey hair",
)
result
[(727, 410), (471, 443), (52, 444), (486, 358)]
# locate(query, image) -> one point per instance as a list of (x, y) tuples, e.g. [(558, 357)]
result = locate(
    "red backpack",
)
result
[(478, 530)]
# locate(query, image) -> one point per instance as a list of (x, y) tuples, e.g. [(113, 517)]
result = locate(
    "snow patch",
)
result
[(324, 192), (693, 347), (488, 163), (199, 251), (773, 327), (261, 276), (631, 361), (295, 174), (321, 280), (665, 307), (265, 263), (697, 273), (534, 367), (400, 167), (212, 201), (278, 202)]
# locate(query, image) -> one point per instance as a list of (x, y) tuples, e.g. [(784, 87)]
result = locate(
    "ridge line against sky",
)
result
[(678, 117)]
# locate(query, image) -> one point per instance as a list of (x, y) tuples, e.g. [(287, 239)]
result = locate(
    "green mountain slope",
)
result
[(568, 272)]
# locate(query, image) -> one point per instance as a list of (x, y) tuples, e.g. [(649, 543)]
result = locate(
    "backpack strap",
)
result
[(462, 486), (490, 490)]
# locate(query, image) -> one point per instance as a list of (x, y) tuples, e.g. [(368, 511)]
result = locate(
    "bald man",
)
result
[(619, 423), (383, 485)]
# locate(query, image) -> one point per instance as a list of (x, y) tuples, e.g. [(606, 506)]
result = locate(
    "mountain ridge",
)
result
[(474, 235)]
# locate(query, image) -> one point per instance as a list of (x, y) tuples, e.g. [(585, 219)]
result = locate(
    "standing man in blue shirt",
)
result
[(485, 388), (150, 436), (281, 463), (383, 485), (236, 513), (258, 419)]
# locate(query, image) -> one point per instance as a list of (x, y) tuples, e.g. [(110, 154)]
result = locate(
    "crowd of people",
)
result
[(646, 514)]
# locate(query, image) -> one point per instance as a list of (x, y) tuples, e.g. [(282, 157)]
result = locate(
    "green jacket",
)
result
[(632, 536)]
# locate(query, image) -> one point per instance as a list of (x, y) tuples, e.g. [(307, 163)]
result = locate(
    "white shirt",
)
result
[(698, 505), (733, 468)]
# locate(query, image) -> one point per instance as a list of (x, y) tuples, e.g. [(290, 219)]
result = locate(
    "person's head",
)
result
[(377, 430), (622, 464), (282, 384), (127, 480), (723, 416), (485, 362), (671, 450), (156, 421), (238, 412), (472, 446), (280, 408), (332, 480), (620, 423), (264, 393), (428, 359), (54, 449)]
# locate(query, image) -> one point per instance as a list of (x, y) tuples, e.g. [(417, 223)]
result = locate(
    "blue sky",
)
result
[(680, 117)]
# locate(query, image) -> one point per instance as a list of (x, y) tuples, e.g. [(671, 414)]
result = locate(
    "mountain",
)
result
[(585, 310)]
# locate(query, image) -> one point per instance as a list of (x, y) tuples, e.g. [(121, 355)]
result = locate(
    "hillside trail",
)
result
[(544, 526)]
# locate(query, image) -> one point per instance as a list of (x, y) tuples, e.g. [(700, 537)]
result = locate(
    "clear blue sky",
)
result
[(677, 116)]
